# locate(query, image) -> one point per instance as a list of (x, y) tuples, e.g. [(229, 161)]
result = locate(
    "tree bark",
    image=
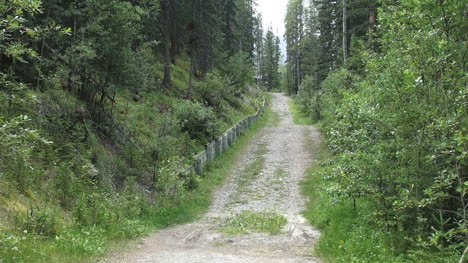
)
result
[(345, 32), (166, 13), (190, 85), (464, 256), (173, 38), (167, 67), (372, 23)]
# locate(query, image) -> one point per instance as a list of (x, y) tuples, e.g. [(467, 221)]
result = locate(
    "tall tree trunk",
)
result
[(372, 23), (190, 84), (464, 256), (345, 32), (173, 38), (193, 44), (166, 6), (167, 67), (41, 54)]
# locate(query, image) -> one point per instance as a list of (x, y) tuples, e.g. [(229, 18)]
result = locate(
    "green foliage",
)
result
[(116, 215), (349, 233), (309, 98), (300, 117), (88, 136), (17, 145), (198, 121), (85, 241), (294, 23), (39, 221), (269, 70), (240, 72), (395, 123), (216, 90), (13, 247), (13, 24), (169, 184), (267, 222)]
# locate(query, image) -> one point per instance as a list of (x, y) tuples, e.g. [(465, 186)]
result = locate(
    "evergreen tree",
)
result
[(259, 49), (294, 23), (246, 22), (271, 57), (230, 10)]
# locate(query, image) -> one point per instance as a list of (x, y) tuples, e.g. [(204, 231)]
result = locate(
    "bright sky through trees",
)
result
[(273, 13)]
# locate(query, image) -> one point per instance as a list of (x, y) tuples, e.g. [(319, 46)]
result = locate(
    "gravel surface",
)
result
[(283, 152)]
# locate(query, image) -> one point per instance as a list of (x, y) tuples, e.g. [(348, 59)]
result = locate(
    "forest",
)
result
[(104, 102), (386, 81)]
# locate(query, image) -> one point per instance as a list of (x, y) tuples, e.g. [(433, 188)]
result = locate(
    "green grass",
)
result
[(280, 175), (263, 222), (90, 244), (197, 202), (299, 116), (253, 169), (346, 236)]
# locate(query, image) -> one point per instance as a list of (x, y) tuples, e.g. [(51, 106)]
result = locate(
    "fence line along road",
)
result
[(215, 148)]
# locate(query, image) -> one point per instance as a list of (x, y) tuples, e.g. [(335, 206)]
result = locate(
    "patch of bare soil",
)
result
[(266, 179)]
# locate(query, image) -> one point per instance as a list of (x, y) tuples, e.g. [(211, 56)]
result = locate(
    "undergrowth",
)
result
[(300, 117), (348, 230), (44, 234)]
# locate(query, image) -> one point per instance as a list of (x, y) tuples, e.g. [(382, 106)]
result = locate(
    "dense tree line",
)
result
[(97, 51), (268, 68), (100, 99), (391, 100), (111, 35)]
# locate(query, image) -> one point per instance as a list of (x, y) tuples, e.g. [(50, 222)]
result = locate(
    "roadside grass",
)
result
[(346, 233), (299, 116), (91, 244), (195, 203), (263, 222)]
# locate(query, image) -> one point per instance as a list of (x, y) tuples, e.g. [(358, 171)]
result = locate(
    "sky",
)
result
[(273, 13)]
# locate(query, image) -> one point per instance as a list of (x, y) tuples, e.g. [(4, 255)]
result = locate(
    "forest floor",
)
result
[(256, 215)]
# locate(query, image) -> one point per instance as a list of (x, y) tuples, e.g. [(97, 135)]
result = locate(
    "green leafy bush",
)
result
[(40, 221), (240, 71), (198, 121), (398, 131), (86, 241), (13, 248)]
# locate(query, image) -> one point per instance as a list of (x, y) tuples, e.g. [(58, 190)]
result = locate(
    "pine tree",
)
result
[(294, 22), (259, 48), (271, 57)]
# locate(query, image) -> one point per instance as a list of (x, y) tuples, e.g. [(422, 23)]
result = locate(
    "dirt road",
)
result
[(264, 182)]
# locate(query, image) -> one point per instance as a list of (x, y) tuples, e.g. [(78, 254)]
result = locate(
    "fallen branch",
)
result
[(465, 254)]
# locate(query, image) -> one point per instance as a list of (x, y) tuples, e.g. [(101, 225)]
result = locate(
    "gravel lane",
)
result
[(282, 151)]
